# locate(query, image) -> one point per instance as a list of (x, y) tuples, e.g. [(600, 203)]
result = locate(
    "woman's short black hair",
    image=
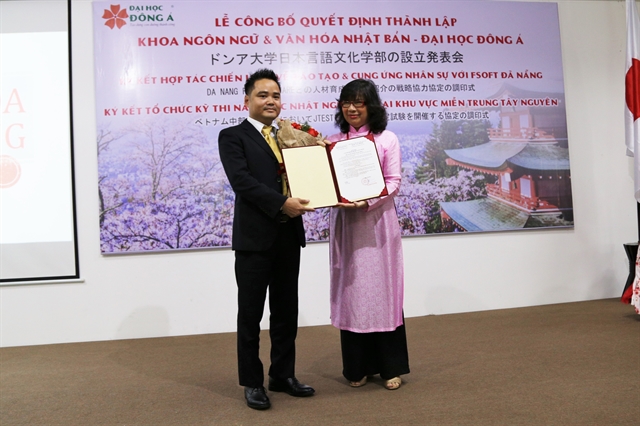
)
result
[(363, 90), (259, 75)]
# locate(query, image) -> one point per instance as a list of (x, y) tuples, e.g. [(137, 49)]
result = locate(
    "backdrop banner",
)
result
[(474, 91)]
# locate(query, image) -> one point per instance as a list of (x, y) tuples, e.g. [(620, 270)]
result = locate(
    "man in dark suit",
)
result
[(267, 236)]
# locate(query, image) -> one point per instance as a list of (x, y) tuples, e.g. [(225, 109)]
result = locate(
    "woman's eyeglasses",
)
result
[(347, 104)]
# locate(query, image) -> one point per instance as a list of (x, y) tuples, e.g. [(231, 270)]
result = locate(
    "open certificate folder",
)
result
[(342, 172)]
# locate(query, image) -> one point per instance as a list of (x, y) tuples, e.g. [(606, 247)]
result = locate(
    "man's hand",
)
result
[(295, 207)]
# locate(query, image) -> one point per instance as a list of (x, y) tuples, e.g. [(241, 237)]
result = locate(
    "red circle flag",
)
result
[(632, 92)]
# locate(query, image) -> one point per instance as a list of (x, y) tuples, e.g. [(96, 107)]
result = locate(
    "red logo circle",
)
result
[(9, 171)]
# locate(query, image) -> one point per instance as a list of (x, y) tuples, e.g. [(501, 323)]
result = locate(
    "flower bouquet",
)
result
[(292, 134)]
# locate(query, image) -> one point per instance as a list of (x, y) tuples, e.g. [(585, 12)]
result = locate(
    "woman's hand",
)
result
[(354, 205)]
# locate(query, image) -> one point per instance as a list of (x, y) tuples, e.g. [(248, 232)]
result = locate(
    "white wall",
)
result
[(194, 292)]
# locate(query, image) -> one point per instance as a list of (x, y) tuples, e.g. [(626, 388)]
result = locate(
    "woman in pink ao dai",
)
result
[(367, 274)]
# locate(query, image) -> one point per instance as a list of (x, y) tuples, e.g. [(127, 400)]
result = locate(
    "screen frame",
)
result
[(39, 26)]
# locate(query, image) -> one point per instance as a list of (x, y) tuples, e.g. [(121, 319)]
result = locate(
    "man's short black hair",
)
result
[(259, 75)]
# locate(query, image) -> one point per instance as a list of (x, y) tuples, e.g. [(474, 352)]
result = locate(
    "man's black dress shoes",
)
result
[(256, 398), (291, 386)]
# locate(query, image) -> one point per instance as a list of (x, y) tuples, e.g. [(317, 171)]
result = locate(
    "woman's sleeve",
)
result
[(391, 161)]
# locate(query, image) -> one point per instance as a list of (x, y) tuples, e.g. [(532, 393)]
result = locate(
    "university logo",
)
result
[(146, 15), (115, 16)]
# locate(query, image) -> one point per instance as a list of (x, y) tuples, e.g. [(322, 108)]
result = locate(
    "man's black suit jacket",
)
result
[(253, 171)]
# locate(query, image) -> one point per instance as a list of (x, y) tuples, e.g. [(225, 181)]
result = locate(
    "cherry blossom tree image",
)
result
[(418, 204), (162, 187)]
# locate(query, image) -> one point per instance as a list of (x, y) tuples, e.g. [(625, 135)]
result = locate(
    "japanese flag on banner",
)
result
[(632, 91)]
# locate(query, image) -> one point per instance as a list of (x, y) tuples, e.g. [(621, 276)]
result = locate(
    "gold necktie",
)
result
[(266, 131)]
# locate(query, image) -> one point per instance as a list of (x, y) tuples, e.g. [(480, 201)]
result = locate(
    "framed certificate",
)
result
[(342, 172)]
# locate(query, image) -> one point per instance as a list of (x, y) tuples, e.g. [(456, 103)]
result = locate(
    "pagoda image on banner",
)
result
[(527, 159)]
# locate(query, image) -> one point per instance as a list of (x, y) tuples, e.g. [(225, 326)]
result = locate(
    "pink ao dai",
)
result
[(367, 274), (635, 295)]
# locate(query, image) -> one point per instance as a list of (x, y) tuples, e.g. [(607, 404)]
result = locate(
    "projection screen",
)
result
[(37, 208)]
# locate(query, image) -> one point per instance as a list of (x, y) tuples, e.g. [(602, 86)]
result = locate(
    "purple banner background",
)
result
[(169, 77)]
